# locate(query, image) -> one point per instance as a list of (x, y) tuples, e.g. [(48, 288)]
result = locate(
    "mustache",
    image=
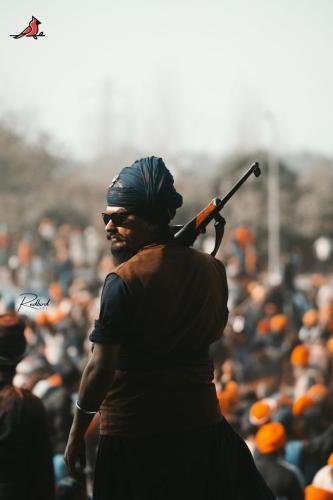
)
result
[(114, 235)]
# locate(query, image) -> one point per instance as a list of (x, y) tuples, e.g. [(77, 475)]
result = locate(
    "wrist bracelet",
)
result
[(82, 410)]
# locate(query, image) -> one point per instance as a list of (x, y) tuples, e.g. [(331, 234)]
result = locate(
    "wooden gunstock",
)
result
[(189, 232)]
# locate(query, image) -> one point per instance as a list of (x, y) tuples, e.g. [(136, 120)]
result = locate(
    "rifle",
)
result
[(188, 233)]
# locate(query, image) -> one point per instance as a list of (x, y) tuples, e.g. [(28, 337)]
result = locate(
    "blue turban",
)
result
[(146, 187)]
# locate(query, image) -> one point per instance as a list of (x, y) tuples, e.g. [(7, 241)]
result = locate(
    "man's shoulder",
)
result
[(156, 253), (168, 257), (208, 260)]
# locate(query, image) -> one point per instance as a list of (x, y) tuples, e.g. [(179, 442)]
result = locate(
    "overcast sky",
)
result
[(211, 75)]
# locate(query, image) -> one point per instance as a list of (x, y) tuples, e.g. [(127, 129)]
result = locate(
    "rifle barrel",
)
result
[(188, 233), (254, 169)]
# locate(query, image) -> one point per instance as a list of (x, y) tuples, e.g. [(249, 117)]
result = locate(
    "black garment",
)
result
[(210, 463), (280, 477), (112, 325), (26, 470)]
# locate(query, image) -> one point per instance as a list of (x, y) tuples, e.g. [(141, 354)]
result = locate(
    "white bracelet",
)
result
[(82, 410)]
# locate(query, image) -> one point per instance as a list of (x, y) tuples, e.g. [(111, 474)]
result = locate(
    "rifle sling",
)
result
[(219, 225)]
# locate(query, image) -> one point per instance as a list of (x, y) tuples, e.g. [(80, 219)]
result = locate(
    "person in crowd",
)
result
[(284, 480), (304, 374), (26, 470), (310, 437), (321, 487), (55, 389)]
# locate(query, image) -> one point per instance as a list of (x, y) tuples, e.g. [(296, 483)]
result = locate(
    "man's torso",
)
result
[(164, 377)]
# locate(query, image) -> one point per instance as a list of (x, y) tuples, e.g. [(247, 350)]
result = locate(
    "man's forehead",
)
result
[(114, 210)]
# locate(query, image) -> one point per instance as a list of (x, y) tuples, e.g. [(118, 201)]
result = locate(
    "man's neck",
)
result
[(158, 237)]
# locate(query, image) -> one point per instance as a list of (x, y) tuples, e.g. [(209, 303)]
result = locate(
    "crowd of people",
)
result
[(274, 374), (273, 366)]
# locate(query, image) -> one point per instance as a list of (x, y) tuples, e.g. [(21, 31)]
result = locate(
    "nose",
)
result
[(110, 229), (110, 226)]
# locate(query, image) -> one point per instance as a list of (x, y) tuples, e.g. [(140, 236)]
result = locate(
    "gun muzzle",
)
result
[(256, 169)]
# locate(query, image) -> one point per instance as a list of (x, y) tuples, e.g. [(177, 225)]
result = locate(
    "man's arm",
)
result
[(96, 380)]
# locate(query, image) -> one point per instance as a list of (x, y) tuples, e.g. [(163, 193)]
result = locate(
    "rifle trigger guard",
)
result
[(219, 232)]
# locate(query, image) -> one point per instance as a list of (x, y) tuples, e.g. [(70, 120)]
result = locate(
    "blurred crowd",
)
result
[(273, 367), (274, 371)]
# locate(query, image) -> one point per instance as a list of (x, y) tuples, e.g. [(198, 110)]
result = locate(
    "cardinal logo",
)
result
[(31, 30)]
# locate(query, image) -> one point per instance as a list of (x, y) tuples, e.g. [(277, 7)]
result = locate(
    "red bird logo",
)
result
[(31, 30)]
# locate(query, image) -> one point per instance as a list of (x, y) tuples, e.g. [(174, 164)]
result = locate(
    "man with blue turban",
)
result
[(162, 435), (144, 190)]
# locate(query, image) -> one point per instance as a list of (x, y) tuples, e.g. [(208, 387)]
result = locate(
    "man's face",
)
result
[(127, 238)]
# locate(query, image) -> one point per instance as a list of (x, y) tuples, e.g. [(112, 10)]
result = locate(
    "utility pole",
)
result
[(273, 222)]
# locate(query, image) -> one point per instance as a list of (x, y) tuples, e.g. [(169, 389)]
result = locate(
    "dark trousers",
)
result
[(211, 463)]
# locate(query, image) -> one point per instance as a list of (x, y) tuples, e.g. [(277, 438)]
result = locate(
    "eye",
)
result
[(117, 218), (106, 218)]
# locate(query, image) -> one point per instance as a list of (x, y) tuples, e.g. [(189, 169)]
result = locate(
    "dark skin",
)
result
[(134, 233), (96, 380), (99, 372)]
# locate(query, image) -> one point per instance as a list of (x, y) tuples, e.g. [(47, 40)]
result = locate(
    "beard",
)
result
[(120, 255), (119, 249)]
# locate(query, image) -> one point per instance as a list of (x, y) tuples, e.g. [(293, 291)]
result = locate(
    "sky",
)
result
[(209, 76)]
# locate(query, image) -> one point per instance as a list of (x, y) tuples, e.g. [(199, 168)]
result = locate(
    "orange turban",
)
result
[(25, 252), (55, 380), (225, 400), (310, 318), (232, 389), (302, 404), (317, 392), (55, 291), (314, 493), (50, 318), (300, 355), (42, 318), (270, 438), (243, 236), (56, 315), (329, 345), (278, 323), (260, 413), (263, 326)]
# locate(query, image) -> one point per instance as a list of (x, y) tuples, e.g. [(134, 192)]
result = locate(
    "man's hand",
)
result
[(96, 381), (75, 457)]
